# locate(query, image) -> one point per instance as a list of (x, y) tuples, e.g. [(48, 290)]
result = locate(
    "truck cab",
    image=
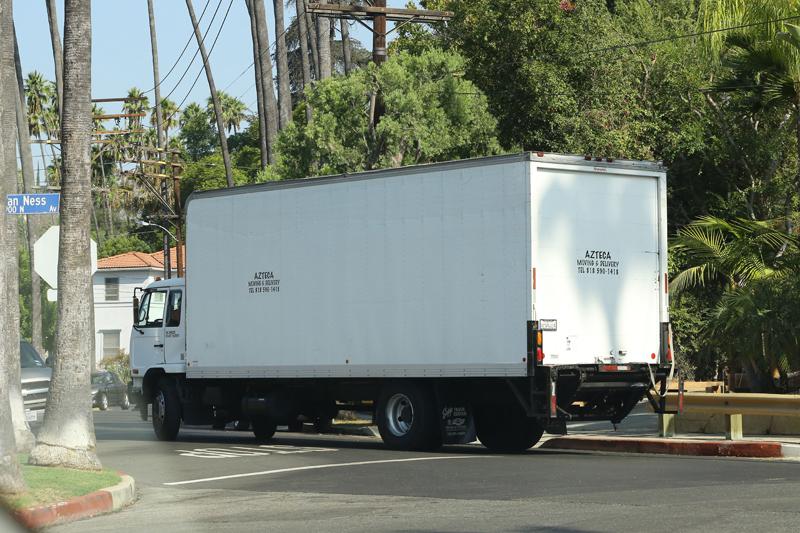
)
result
[(158, 339)]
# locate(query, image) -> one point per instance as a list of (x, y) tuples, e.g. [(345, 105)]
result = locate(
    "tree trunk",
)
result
[(284, 92), (324, 45), (303, 29), (262, 117), (156, 76), (312, 36), (223, 140), (58, 59), (267, 88), (332, 26), (9, 251), (28, 183), (347, 50), (16, 436), (67, 435)]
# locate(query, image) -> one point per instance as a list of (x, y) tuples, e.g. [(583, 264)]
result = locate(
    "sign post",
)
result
[(33, 204)]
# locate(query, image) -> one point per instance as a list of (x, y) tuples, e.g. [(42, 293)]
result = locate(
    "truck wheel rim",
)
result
[(160, 404), (399, 414)]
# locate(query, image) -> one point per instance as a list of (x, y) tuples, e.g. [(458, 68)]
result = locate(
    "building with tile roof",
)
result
[(114, 282)]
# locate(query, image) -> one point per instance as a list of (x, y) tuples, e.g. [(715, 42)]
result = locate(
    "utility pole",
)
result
[(159, 127), (379, 14)]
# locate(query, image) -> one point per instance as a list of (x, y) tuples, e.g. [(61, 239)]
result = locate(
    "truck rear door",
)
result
[(597, 247)]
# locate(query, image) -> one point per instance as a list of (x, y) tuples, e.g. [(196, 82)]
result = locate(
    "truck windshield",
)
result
[(151, 310)]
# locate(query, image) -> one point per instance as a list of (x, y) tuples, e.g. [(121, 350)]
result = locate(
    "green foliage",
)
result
[(199, 137), (752, 268), (119, 364), (208, 173), (429, 115), (49, 309), (119, 244)]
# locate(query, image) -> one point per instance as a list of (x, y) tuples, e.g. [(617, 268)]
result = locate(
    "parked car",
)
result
[(107, 390), (35, 381)]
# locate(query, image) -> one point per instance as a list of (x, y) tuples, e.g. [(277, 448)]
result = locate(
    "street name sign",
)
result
[(32, 204)]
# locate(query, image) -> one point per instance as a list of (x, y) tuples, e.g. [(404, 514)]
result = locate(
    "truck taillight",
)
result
[(539, 354)]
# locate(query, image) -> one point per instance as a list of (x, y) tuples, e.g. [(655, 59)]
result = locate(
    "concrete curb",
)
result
[(92, 504), (359, 430), (704, 448)]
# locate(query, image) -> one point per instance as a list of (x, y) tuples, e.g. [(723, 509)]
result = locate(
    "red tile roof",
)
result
[(138, 260)]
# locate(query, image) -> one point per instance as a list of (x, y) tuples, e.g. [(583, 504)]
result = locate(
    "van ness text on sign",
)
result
[(32, 204)]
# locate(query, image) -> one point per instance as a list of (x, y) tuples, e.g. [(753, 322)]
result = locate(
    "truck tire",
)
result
[(263, 428), (166, 410), (406, 417), (506, 430)]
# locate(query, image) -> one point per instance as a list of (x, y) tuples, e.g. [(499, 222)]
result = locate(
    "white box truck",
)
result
[(501, 296)]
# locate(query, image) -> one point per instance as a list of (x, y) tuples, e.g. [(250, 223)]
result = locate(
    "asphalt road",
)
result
[(223, 481)]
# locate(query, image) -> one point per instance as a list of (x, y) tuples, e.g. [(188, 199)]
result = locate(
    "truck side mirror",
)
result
[(135, 309)]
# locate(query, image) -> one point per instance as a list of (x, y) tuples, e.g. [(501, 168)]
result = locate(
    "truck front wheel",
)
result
[(263, 428), (506, 430), (166, 410), (407, 417)]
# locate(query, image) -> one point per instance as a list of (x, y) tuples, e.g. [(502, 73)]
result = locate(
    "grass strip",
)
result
[(48, 485)]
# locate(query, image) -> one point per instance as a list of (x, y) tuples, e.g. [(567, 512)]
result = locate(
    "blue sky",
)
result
[(121, 46)]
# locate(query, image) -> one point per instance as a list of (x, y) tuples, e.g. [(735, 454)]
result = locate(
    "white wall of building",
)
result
[(117, 315)]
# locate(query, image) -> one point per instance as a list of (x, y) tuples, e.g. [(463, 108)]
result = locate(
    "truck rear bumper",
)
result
[(593, 393)]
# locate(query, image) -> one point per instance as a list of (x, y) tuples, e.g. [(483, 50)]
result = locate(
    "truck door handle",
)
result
[(158, 346)]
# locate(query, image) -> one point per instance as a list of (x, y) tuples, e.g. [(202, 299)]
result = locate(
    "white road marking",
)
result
[(330, 465), (247, 451)]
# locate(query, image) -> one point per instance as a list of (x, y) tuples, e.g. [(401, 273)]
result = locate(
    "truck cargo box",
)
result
[(428, 271)]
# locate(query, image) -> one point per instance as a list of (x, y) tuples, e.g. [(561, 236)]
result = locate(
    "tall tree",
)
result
[(262, 115), (223, 140), (312, 37), (324, 45), (156, 76), (67, 435), (9, 252), (28, 182), (58, 58), (267, 88), (304, 61), (284, 94), (347, 49)]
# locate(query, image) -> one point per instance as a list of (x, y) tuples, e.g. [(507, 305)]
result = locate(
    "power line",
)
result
[(191, 62), (210, 50), (185, 47), (248, 67), (687, 35)]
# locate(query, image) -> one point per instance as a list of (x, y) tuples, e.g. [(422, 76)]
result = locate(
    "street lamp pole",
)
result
[(167, 267)]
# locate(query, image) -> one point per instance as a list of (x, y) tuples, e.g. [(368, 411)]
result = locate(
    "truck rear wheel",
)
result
[(406, 417), (166, 410), (506, 430), (263, 428)]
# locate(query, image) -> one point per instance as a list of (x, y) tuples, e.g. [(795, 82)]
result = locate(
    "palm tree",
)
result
[(170, 117), (304, 62), (10, 476), (58, 58), (750, 264), (234, 111), (28, 181), (136, 104), (284, 94), (223, 140), (265, 60), (324, 45), (67, 435), (264, 147)]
